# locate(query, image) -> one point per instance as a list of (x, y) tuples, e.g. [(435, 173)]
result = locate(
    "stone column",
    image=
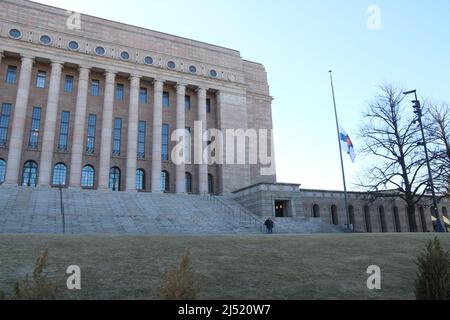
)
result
[(79, 128), (51, 114), (132, 144), (18, 124), (181, 125), (203, 167), (107, 122), (157, 132)]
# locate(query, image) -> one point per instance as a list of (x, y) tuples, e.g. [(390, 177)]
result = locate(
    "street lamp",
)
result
[(418, 111)]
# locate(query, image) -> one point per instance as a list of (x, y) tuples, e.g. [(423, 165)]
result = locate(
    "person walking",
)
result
[(269, 225)]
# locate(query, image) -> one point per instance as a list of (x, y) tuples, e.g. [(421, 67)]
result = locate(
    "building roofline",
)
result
[(138, 27)]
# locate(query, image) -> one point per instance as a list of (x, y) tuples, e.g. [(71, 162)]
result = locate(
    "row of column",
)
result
[(48, 142)]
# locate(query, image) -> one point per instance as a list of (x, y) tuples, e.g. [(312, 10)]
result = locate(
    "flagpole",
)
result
[(340, 151)]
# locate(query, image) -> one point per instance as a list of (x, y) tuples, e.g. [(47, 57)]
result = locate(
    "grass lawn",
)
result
[(228, 267)]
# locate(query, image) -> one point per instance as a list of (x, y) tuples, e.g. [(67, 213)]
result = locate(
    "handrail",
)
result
[(219, 203)]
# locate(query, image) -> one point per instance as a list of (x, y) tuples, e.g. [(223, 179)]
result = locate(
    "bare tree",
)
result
[(391, 144), (437, 125)]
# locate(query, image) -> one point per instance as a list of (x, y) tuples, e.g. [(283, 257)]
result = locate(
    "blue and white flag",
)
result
[(347, 144)]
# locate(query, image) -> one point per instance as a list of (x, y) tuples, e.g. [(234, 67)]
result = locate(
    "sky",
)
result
[(299, 42)]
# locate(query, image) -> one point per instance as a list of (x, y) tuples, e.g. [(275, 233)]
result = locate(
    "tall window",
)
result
[(117, 136), (143, 96), (120, 92), (316, 211), (140, 180), (40, 79), (11, 75), (351, 214), (95, 88), (141, 140), (423, 220), (114, 179), (210, 184), (59, 175), (68, 84), (334, 215), (367, 219), (64, 131), (382, 219), (92, 127), (29, 176), (87, 177), (166, 99), (165, 182), (187, 145), (188, 180), (4, 123), (187, 103), (398, 227), (35, 126), (165, 142), (2, 170), (208, 105)]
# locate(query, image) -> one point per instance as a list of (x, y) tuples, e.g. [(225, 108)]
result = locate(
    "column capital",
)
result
[(110, 76), (158, 84), (181, 88), (135, 75), (134, 80), (113, 72), (56, 62), (84, 67), (27, 57), (201, 91)]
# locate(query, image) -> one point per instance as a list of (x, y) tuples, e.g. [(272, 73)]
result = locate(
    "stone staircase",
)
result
[(38, 210)]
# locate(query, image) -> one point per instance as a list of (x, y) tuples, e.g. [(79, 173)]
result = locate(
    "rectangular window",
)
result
[(165, 142), (11, 75), (68, 84), (92, 127), (166, 99), (208, 105), (120, 92), (95, 88), (143, 96), (117, 136), (35, 126), (4, 123), (187, 103), (141, 140), (187, 145), (64, 131), (40, 79)]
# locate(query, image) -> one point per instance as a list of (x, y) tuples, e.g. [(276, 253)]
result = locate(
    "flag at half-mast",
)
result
[(347, 144)]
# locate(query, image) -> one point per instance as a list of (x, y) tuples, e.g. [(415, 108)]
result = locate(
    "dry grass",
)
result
[(228, 267)]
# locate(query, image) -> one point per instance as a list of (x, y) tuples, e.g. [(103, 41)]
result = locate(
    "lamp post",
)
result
[(418, 112)]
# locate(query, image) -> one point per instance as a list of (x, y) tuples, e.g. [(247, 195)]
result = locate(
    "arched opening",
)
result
[(2, 170), (351, 214), (59, 175), (383, 223), (423, 220), (188, 181), (367, 219), (140, 180), (165, 184), (210, 184), (87, 177), (397, 224), (29, 176), (114, 179), (334, 215), (316, 211)]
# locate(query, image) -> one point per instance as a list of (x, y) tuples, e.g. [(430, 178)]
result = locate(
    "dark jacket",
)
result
[(269, 224)]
